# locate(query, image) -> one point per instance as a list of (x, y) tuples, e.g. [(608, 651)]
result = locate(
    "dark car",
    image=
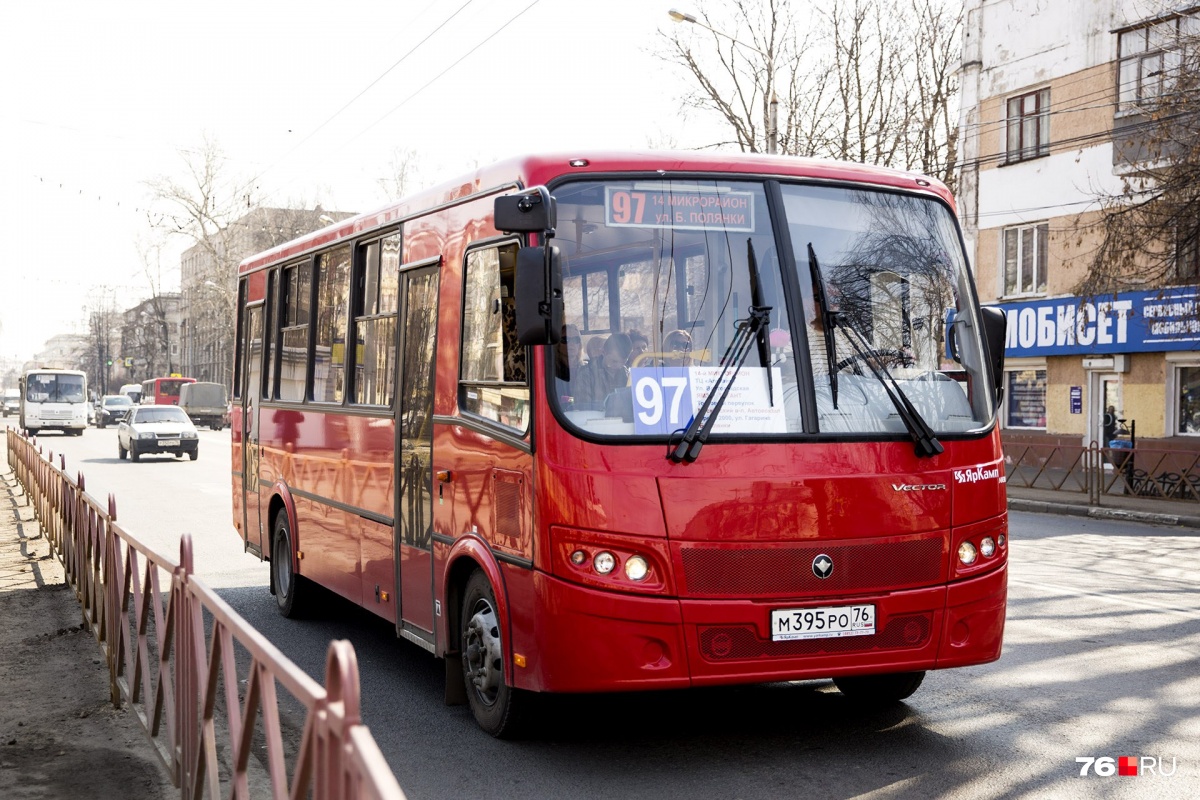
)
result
[(111, 409)]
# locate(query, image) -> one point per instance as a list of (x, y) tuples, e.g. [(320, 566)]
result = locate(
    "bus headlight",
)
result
[(604, 562), (611, 561), (987, 547), (636, 568), (967, 553)]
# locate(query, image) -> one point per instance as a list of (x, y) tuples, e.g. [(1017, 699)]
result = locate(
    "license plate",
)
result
[(829, 622), (168, 443)]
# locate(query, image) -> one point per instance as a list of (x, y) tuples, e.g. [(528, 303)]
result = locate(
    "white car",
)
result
[(157, 429)]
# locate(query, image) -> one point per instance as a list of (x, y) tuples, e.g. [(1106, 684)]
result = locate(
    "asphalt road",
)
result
[(1101, 660)]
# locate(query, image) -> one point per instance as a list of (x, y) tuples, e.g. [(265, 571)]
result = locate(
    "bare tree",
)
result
[(103, 339), (220, 217), (200, 209), (1149, 232), (401, 174), (873, 81)]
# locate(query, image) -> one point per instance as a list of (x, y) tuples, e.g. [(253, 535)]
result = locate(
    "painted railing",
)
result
[(1105, 471), (204, 684)]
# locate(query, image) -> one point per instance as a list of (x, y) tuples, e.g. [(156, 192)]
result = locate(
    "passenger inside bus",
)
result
[(567, 361), (594, 348), (602, 376), (640, 343), (677, 349)]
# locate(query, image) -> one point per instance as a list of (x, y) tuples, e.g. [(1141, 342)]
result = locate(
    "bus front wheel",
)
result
[(497, 706), (890, 688), (290, 591)]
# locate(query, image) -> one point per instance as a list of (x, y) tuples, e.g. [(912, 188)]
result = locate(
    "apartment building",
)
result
[(1054, 94)]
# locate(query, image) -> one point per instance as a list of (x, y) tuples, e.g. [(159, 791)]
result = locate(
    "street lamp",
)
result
[(773, 132)]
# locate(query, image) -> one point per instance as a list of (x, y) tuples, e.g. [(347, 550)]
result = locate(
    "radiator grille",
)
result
[(864, 566), (906, 632)]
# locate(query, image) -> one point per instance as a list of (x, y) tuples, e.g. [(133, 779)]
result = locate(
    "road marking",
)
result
[(1192, 614)]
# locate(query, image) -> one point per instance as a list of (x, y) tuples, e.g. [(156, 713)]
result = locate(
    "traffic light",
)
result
[(110, 362)]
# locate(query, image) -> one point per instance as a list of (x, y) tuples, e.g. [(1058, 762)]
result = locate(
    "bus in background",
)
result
[(54, 399), (162, 391), (133, 391), (613, 422)]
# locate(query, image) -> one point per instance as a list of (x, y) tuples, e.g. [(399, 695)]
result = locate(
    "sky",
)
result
[(308, 102)]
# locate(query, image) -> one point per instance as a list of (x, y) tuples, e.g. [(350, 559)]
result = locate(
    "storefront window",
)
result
[(1189, 400), (1026, 398)]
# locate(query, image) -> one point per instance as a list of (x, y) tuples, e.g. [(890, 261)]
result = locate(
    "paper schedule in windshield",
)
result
[(666, 398)]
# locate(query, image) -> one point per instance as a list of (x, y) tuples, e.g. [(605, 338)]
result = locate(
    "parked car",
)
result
[(205, 403), (12, 402), (111, 409), (157, 429)]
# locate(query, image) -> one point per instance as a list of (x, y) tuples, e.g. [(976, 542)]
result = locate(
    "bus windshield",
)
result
[(895, 282), (54, 388), (657, 276), (660, 275)]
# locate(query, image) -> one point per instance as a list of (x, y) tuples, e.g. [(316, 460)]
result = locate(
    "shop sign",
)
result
[(1128, 322)]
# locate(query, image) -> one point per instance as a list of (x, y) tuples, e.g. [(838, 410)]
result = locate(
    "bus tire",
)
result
[(880, 689), (291, 593), (497, 706)]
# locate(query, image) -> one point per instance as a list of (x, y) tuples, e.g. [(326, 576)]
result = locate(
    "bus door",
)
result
[(252, 347), (417, 328)]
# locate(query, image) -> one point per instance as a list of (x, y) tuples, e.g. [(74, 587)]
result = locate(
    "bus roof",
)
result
[(534, 170)]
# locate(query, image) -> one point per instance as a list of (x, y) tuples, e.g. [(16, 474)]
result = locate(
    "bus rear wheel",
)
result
[(497, 706), (290, 591), (880, 689)]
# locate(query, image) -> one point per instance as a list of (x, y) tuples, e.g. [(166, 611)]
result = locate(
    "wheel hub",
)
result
[(482, 649)]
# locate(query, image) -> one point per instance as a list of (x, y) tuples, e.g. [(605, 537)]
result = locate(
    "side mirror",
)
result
[(531, 212), (995, 329), (539, 306), (539, 301)]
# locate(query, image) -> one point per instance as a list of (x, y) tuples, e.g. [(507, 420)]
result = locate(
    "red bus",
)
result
[(163, 391), (635, 421)]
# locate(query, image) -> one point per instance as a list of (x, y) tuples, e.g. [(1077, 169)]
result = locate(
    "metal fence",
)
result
[(1105, 471), (204, 684)]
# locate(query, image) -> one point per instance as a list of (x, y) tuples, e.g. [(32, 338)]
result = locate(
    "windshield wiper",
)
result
[(756, 301), (698, 430), (829, 319), (925, 443)]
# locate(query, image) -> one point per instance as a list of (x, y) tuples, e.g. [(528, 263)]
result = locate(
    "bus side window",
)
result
[(492, 382)]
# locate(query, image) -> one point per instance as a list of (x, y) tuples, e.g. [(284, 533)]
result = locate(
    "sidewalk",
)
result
[(1149, 510), (60, 736)]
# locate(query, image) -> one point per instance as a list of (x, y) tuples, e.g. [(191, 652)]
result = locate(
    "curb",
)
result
[(1100, 512)]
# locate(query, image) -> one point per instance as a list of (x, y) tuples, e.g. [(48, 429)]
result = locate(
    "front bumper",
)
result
[(148, 447), (594, 641)]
